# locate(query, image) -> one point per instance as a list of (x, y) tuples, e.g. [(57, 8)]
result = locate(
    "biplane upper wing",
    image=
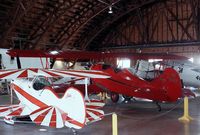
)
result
[(31, 72)]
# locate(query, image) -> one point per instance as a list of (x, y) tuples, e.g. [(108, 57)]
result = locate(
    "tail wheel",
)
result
[(114, 97)]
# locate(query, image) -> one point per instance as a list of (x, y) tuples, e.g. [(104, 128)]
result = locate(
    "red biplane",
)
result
[(166, 87)]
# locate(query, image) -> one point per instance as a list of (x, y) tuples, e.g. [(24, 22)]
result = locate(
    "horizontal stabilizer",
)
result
[(93, 112)]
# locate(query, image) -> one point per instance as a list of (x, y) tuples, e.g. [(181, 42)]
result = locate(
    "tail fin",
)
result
[(170, 84), (74, 106)]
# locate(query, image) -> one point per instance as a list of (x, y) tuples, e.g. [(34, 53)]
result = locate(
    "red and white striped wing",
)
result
[(31, 72), (25, 73), (49, 116), (12, 110), (82, 73), (93, 112)]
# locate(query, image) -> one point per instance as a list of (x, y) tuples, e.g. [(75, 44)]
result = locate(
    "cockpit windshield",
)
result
[(40, 82)]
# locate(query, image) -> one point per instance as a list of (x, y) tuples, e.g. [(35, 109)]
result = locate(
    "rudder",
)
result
[(170, 84)]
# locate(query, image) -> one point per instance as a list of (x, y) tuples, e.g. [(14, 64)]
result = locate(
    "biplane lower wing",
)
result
[(12, 110)]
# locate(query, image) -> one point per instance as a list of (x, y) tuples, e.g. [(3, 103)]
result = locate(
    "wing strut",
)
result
[(18, 62), (86, 90)]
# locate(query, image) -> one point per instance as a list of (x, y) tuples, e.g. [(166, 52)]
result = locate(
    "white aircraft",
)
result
[(189, 72), (43, 106)]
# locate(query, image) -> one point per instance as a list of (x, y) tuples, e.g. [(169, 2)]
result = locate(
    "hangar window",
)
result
[(123, 63)]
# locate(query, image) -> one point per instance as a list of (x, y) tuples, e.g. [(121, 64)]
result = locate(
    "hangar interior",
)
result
[(123, 33)]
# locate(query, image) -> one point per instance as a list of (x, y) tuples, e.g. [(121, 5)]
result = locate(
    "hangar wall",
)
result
[(175, 27)]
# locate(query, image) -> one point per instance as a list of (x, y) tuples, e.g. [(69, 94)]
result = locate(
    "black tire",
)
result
[(127, 98), (114, 97)]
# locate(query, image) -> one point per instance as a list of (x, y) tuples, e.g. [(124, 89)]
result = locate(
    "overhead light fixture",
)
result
[(54, 52), (110, 11)]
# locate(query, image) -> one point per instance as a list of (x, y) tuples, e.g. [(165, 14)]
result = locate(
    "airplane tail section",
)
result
[(169, 84), (74, 105), (71, 112)]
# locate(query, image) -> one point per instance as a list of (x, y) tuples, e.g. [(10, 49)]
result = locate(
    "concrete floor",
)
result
[(134, 118)]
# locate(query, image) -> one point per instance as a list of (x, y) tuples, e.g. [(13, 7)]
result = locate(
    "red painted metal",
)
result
[(166, 87), (86, 55)]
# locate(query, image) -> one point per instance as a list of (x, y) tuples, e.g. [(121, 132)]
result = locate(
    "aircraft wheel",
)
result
[(127, 98), (114, 97)]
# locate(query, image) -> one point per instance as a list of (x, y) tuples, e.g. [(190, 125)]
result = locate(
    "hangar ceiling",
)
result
[(86, 24)]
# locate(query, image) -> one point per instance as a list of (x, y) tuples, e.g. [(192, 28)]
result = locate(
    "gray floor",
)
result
[(134, 118)]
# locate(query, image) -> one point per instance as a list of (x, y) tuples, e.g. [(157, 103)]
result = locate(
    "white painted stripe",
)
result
[(59, 119), (46, 121), (96, 110), (95, 104), (63, 75)]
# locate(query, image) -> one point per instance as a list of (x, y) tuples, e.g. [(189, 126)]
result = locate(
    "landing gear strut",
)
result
[(159, 107), (126, 98)]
